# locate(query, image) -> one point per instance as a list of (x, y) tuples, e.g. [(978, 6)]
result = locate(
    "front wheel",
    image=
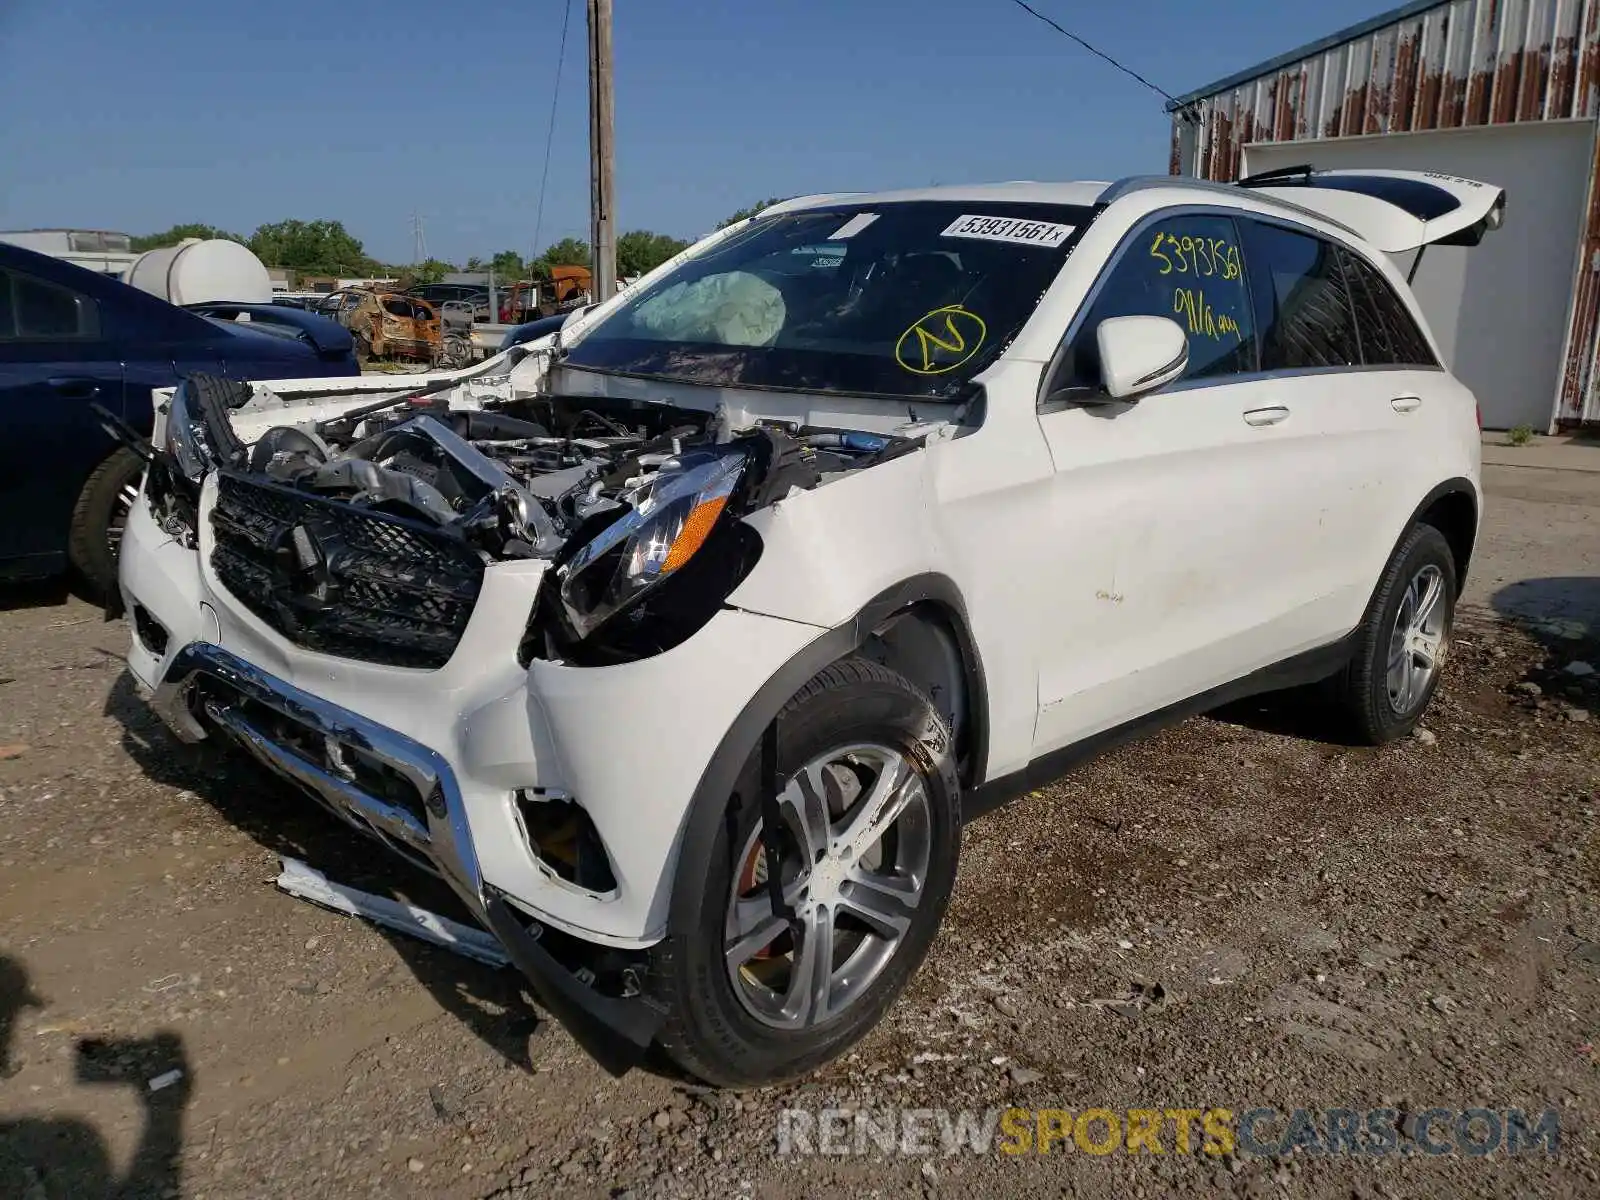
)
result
[(1402, 642), (869, 809)]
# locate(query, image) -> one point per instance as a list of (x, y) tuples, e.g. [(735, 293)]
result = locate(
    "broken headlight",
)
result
[(184, 441), (673, 515)]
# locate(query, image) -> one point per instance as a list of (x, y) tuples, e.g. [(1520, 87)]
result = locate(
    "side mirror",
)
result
[(1140, 354)]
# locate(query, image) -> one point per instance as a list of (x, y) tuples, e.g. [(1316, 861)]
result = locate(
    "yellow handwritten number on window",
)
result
[(1207, 257), (940, 341), (1203, 319)]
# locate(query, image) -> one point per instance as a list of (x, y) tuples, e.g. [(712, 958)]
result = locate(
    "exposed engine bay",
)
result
[(634, 504)]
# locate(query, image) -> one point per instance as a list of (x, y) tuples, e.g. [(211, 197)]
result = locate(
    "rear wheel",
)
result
[(869, 829), (101, 516), (1402, 643)]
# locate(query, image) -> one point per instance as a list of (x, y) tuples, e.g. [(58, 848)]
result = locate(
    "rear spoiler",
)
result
[(1395, 211)]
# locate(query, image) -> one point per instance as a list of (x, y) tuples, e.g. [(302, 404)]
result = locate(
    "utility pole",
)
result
[(602, 157)]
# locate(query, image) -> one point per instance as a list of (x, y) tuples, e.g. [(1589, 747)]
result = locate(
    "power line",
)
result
[(549, 137), (1165, 95)]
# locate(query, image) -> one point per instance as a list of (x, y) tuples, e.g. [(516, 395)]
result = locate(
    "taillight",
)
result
[(1479, 407)]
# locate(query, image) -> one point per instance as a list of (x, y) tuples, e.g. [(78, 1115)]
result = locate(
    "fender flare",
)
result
[(721, 774)]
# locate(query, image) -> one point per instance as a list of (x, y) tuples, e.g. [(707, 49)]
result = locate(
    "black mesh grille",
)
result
[(341, 580)]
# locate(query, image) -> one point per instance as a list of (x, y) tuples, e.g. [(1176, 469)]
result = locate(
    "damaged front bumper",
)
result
[(433, 762), (206, 679)]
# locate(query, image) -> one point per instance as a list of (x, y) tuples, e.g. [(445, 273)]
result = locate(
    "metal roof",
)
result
[(1358, 30)]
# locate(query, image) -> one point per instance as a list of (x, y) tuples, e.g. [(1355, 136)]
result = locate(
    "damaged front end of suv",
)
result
[(371, 539), (532, 625)]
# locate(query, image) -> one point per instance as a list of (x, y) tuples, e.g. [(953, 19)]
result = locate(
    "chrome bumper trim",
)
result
[(445, 841)]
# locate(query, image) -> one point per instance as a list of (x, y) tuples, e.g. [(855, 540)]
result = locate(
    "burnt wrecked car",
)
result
[(681, 640), (387, 325)]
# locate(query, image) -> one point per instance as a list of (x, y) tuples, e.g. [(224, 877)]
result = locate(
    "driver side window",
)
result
[(1189, 269)]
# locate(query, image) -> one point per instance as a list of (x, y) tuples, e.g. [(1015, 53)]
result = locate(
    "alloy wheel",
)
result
[(1417, 642), (117, 524), (855, 848)]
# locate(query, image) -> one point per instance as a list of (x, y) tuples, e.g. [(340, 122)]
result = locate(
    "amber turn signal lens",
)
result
[(694, 533)]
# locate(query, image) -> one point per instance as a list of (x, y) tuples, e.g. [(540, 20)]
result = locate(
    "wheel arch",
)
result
[(930, 598), (1452, 508)]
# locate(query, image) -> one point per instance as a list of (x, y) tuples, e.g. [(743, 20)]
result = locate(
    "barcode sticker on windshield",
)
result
[(1010, 229)]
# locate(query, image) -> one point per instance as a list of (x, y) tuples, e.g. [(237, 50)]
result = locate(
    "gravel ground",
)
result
[(1234, 914)]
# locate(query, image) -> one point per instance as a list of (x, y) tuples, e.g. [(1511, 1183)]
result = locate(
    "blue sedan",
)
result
[(71, 339)]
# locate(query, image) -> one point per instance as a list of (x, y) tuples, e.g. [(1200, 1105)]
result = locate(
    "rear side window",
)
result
[(1190, 269), (1302, 308), (31, 309), (1390, 336)]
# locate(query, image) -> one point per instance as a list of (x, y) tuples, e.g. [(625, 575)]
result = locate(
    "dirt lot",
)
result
[(1231, 915)]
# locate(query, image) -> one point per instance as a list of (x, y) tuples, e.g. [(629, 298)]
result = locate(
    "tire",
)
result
[(726, 1025), (363, 349), (99, 518), (1365, 692)]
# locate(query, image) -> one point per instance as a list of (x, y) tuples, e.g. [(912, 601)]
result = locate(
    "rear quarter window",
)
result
[(1390, 336)]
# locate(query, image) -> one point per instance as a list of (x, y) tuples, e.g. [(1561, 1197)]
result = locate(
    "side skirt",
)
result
[(1311, 667)]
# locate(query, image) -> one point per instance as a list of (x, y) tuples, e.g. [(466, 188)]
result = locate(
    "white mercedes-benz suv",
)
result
[(682, 642)]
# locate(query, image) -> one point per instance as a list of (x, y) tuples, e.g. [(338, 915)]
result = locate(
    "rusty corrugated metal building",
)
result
[(1501, 90)]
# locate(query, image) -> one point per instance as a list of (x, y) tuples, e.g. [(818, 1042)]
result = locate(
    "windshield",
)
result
[(904, 299)]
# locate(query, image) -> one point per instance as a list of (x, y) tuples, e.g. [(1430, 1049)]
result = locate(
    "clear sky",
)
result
[(138, 114)]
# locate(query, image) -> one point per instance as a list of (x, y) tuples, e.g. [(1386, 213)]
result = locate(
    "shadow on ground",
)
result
[(1306, 713), (42, 1158), (492, 1003), (1563, 615), (40, 593)]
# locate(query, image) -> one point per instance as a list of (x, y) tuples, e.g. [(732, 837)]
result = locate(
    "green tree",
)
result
[(310, 247), (743, 213), (508, 266), (431, 271), (639, 251), (568, 252), (475, 264), (154, 241)]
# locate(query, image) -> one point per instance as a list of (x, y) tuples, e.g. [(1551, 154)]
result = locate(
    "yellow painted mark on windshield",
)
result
[(948, 331)]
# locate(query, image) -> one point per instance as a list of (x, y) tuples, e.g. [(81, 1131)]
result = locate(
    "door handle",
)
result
[(1266, 416), (1406, 403), (73, 389)]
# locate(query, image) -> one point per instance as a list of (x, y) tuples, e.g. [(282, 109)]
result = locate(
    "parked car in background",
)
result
[(338, 305), (439, 294), (534, 330), (393, 325), (682, 650), (307, 301), (325, 335), (72, 338)]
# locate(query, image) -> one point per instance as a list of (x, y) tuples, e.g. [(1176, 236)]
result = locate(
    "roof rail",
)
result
[(1144, 183)]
